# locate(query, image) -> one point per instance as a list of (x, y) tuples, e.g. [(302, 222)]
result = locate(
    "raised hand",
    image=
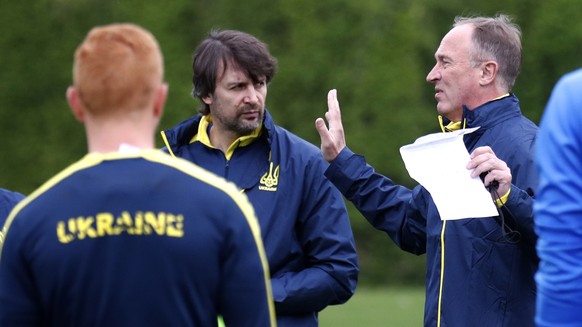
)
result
[(332, 139)]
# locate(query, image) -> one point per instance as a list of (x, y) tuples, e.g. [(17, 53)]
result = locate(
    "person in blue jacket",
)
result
[(8, 199), (558, 207), (479, 271), (304, 222), (127, 235)]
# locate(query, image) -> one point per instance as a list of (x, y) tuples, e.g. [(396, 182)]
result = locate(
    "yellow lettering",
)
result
[(124, 223), (104, 224), (84, 227), (62, 233), (156, 222), (138, 224), (72, 226), (145, 227), (175, 225)]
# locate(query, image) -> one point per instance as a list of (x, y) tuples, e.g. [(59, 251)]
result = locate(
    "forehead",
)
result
[(456, 43), (232, 74)]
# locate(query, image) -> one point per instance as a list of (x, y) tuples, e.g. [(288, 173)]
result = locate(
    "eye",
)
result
[(443, 61), (261, 83), (238, 86)]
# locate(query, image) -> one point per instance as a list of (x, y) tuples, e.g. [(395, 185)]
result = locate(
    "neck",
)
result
[(221, 139), (485, 95), (108, 137)]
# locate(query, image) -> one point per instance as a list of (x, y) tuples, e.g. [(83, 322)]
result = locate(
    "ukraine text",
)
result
[(106, 224)]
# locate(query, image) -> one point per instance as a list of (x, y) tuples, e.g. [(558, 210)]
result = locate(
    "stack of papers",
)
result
[(438, 162)]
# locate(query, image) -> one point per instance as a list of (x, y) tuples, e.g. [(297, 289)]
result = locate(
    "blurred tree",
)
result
[(376, 53)]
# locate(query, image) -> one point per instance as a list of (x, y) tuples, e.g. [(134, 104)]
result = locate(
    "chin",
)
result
[(248, 128), (441, 111), (444, 110)]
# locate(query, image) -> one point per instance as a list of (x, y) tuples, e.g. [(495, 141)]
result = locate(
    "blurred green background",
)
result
[(378, 306), (375, 52)]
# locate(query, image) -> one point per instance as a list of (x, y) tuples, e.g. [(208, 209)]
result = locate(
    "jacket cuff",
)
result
[(342, 169), (278, 290), (503, 200)]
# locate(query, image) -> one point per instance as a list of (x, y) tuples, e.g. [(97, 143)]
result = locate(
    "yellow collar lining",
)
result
[(203, 137)]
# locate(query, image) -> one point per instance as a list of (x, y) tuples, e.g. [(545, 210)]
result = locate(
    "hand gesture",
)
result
[(333, 139)]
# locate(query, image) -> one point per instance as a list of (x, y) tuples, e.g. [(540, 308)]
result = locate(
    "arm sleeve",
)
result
[(558, 207), (8, 200), (19, 305), (391, 208), (519, 205)]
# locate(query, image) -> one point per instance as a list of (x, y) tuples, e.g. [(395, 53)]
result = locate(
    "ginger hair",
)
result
[(117, 69)]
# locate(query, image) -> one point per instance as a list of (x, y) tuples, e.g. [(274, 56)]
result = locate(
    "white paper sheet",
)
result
[(438, 162)]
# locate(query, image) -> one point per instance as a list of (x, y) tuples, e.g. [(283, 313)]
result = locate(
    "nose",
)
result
[(433, 75), (252, 95)]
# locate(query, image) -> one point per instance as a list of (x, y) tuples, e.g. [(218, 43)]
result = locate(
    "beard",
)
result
[(238, 124)]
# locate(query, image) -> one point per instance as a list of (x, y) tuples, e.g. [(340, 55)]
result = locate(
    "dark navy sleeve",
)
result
[(391, 208), (519, 205), (17, 291), (8, 200)]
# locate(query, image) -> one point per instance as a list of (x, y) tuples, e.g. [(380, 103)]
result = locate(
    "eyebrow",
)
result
[(237, 82), (441, 56)]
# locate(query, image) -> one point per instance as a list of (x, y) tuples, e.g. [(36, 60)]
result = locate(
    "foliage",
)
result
[(375, 52)]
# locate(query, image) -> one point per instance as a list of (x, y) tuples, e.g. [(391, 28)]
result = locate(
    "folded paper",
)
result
[(439, 163)]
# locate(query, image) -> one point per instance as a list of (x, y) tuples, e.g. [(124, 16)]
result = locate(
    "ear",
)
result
[(75, 104), (488, 72), (207, 99), (160, 100)]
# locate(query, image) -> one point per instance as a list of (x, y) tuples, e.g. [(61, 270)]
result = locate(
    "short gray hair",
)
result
[(499, 39)]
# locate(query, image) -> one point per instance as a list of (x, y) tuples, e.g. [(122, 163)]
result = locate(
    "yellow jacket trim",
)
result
[(203, 137)]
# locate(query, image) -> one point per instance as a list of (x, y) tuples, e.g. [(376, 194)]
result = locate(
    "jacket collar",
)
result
[(184, 132), (490, 113)]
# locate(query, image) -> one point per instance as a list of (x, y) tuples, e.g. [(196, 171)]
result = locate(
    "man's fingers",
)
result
[(333, 114), (332, 102), (322, 130), (333, 108), (482, 150), (332, 136)]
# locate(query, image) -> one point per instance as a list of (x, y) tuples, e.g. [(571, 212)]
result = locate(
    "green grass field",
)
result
[(371, 307)]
